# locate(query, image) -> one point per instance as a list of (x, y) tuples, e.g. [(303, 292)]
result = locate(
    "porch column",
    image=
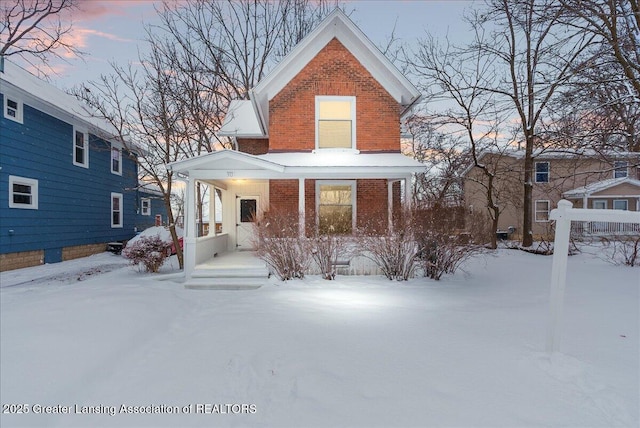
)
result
[(301, 209), (190, 228), (212, 211), (407, 192), (390, 204)]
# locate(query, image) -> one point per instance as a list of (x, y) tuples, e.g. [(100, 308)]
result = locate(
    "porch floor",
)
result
[(232, 270)]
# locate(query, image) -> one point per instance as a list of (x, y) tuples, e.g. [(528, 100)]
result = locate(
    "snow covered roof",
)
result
[(241, 121), (225, 164), (39, 94), (599, 186), (336, 25)]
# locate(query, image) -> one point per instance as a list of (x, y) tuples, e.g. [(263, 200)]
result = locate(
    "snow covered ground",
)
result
[(92, 335)]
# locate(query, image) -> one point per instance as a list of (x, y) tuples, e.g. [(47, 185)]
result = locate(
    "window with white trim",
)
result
[(116, 209), (145, 206), (23, 193), (12, 108), (600, 204), (80, 148), (542, 172), (336, 206), (335, 122), (116, 159), (542, 211), (621, 204), (620, 169)]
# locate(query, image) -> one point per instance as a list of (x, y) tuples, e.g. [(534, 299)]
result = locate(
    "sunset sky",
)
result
[(113, 30)]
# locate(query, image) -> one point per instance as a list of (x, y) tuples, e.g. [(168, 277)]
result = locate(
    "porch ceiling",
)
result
[(227, 164)]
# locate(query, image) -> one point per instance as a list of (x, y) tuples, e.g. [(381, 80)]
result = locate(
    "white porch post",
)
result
[(390, 204), (407, 192), (212, 211), (190, 228), (301, 208)]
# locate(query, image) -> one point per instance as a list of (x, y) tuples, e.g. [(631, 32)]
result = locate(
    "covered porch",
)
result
[(242, 187)]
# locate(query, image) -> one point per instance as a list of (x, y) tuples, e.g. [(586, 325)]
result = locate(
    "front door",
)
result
[(246, 216)]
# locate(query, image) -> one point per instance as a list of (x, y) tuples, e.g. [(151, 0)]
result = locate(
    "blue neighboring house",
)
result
[(67, 187)]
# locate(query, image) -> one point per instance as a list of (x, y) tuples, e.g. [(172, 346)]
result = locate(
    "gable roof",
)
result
[(43, 96), (336, 25), (599, 186)]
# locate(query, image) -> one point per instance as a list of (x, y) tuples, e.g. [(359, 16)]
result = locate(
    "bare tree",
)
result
[(36, 30)]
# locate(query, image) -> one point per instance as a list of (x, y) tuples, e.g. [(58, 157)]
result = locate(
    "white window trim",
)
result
[(19, 110), (535, 209), (593, 203), (148, 210), (352, 100), (354, 211), (13, 179), (626, 201), (115, 146), (85, 163), (535, 172), (620, 169), (119, 196)]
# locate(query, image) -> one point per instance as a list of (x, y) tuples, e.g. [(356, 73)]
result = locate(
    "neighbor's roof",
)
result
[(335, 25), (599, 186), (39, 94)]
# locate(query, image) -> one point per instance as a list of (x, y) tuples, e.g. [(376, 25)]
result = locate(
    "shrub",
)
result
[(151, 251), (277, 243), (326, 250), (623, 249)]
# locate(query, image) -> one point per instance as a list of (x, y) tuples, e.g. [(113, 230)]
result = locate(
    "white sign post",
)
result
[(563, 215)]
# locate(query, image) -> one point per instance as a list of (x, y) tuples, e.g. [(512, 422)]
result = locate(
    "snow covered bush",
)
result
[(277, 243), (623, 249), (326, 251), (151, 251)]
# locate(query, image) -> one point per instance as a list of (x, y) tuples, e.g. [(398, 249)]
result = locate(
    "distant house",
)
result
[(588, 179), (66, 186), (150, 208), (319, 136)]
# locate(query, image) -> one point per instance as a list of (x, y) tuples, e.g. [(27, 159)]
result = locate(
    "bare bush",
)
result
[(443, 246), (326, 251), (393, 251), (151, 251), (277, 243), (623, 249)]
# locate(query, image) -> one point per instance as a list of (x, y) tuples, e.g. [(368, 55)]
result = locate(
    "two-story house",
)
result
[(588, 179), (66, 187), (320, 135)]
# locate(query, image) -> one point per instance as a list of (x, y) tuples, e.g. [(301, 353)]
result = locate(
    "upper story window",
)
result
[(542, 172), (620, 169), (116, 160), (12, 108), (23, 193), (80, 148), (335, 122), (145, 206)]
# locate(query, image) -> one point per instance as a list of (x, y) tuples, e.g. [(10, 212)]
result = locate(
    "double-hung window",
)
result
[(335, 202), (542, 172), (116, 159), (621, 204), (335, 122), (542, 211), (116, 209), (620, 169), (23, 193), (145, 206), (80, 148), (12, 108)]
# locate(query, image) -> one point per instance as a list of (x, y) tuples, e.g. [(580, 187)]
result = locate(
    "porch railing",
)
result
[(598, 228)]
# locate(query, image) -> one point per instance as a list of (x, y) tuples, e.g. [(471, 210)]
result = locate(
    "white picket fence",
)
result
[(564, 215)]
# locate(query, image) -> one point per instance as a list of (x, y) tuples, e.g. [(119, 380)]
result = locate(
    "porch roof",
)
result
[(226, 164), (599, 186)]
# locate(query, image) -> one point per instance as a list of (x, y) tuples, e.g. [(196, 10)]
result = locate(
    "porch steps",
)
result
[(228, 278)]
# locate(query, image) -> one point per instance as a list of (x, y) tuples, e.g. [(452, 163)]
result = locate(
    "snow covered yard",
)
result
[(359, 351)]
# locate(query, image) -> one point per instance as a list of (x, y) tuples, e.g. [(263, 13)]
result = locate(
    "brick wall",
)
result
[(21, 260), (70, 253), (334, 71), (372, 197), (253, 146), (283, 195)]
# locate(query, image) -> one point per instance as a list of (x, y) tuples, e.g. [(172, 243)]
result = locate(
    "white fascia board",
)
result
[(208, 161)]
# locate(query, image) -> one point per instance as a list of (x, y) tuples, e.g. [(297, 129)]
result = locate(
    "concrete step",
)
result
[(225, 283), (230, 272)]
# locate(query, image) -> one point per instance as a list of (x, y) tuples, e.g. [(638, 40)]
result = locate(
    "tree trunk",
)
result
[(527, 205)]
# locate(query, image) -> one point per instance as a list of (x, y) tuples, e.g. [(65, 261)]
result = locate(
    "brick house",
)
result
[(587, 179), (319, 136)]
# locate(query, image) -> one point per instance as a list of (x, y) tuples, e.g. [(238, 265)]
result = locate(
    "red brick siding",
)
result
[(334, 71), (283, 195), (372, 203), (253, 146)]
